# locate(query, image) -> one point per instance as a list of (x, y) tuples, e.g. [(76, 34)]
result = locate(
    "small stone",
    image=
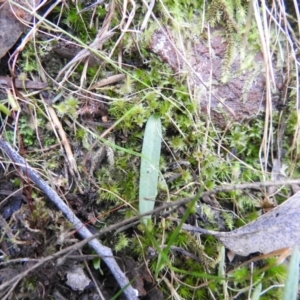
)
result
[(76, 279)]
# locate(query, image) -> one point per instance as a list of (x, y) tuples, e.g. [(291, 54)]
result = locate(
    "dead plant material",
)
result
[(275, 230), (84, 54), (108, 81), (9, 82), (148, 14), (103, 35), (91, 106), (12, 20), (31, 33), (69, 50), (124, 26), (64, 140), (66, 251)]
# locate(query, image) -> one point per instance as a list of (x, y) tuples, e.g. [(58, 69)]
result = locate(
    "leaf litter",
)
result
[(275, 230)]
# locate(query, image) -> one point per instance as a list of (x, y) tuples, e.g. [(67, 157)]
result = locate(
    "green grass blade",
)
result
[(150, 166), (291, 285), (4, 109), (256, 292)]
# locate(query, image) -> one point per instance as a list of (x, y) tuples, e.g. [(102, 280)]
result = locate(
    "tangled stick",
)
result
[(104, 252)]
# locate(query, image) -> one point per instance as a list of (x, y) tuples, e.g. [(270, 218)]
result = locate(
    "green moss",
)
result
[(277, 273), (213, 157)]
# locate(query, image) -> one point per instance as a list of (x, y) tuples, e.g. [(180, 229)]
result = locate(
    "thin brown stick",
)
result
[(64, 140)]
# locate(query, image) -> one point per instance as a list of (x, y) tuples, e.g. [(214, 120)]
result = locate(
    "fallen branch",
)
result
[(101, 250)]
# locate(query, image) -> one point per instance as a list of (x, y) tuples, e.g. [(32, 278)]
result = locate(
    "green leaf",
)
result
[(291, 285), (149, 166), (4, 109), (221, 268), (97, 265), (256, 292)]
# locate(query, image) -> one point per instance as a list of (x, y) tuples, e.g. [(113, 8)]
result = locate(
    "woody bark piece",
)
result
[(205, 60), (104, 252)]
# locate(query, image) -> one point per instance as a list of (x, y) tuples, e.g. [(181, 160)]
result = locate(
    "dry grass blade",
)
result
[(64, 140), (263, 28), (103, 35), (83, 54), (147, 16)]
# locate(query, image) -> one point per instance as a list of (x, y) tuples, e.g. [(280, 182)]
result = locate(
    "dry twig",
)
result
[(101, 250), (64, 140)]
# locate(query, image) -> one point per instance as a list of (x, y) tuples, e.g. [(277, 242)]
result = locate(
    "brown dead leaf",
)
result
[(277, 229), (12, 18)]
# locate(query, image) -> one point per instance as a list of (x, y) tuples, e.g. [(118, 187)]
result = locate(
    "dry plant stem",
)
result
[(7, 295), (64, 140), (107, 81), (129, 20), (93, 279), (102, 36), (101, 250), (84, 53), (147, 16)]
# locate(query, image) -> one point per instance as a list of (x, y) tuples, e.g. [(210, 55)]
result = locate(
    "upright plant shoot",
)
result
[(150, 166)]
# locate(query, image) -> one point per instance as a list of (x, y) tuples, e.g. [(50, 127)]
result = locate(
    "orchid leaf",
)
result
[(150, 166), (291, 285)]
